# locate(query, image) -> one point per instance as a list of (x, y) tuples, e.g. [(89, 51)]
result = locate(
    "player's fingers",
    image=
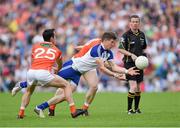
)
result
[(136, 73), (136, 70), (132, 68)]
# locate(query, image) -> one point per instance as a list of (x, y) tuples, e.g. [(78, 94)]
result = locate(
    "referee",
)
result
[(132, 45)]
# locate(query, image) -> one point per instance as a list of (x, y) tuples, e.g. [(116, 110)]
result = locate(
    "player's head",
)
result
[(109, 39), (49, 35), (134, 22)]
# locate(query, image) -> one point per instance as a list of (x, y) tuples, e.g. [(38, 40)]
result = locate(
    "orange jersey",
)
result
[(87, 46), (44, 55)]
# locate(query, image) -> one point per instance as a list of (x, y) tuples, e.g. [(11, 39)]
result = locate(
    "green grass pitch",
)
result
[(107, 110)]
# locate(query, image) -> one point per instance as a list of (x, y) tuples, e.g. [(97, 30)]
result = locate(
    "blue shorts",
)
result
[(68, 73)]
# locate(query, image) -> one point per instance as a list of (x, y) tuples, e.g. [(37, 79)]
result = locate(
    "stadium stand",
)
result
[(76, 21)]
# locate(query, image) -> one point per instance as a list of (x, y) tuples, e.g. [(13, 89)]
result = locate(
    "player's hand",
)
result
[(134, 57), (132, 71), (120, 76)]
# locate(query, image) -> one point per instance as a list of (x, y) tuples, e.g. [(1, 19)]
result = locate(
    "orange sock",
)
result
[(85, 106), (21, 112), (72, 108), (52, 107)]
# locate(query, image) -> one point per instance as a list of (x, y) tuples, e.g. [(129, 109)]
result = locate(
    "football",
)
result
[(141, 62)]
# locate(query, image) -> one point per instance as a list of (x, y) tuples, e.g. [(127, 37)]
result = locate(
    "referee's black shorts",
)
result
[(137, 78)]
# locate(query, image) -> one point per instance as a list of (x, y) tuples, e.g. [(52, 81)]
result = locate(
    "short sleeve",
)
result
[(95, 51)]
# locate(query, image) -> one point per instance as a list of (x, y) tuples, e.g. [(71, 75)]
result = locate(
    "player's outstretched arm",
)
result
[(105, 70), (102, 68), (116, 68)]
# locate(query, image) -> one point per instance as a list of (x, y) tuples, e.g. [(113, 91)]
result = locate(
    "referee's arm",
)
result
[(125, 52)]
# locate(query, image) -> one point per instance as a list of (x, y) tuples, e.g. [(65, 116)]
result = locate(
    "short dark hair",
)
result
[(134, 16), (109, 35), (47, 34)]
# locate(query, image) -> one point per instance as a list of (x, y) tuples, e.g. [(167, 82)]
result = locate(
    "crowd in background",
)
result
[(76, 22)]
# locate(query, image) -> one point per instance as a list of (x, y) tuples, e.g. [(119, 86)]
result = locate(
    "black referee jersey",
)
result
[(134, 43)]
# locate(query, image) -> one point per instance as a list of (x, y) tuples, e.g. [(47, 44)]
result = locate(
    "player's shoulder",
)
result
[(36, 45), (127, 32), (96, 47), (95, 50), (57, 49), (93, 41), (141, 32)]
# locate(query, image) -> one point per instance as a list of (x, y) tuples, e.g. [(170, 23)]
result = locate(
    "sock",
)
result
[(23, 84), (72, 108), (21, 112), (130, 100), (43, 106), (85, 106), (52, 107), (137, 100)]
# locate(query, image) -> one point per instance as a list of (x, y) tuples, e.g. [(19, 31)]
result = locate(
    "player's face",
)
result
[(54, 38), (110, 44), (134, 23)]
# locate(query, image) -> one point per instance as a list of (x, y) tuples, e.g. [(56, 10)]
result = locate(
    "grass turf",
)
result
[(107, 110)]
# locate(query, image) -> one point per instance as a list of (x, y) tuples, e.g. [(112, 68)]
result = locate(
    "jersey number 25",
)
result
[(42, 53)]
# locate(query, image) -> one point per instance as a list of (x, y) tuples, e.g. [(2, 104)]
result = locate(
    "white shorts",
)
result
[(39, 77)]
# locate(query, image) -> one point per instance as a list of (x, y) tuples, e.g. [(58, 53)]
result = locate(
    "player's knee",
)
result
[(28, 92), (59, 82), (59, 91), (58, 98), (64, 84), (94, 87), (61, 97), (133, 88)]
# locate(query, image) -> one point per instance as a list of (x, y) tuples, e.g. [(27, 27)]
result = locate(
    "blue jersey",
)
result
[(88, 61)]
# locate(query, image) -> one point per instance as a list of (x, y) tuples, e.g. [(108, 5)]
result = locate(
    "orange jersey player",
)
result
[(44, 56)]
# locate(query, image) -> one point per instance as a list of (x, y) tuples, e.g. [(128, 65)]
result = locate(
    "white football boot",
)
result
[(39, 112), (16, 89)]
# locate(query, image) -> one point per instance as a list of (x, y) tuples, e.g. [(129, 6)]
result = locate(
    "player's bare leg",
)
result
[(92, 80), (61, 83), (52, 107), (25, 100), (58, 98)]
